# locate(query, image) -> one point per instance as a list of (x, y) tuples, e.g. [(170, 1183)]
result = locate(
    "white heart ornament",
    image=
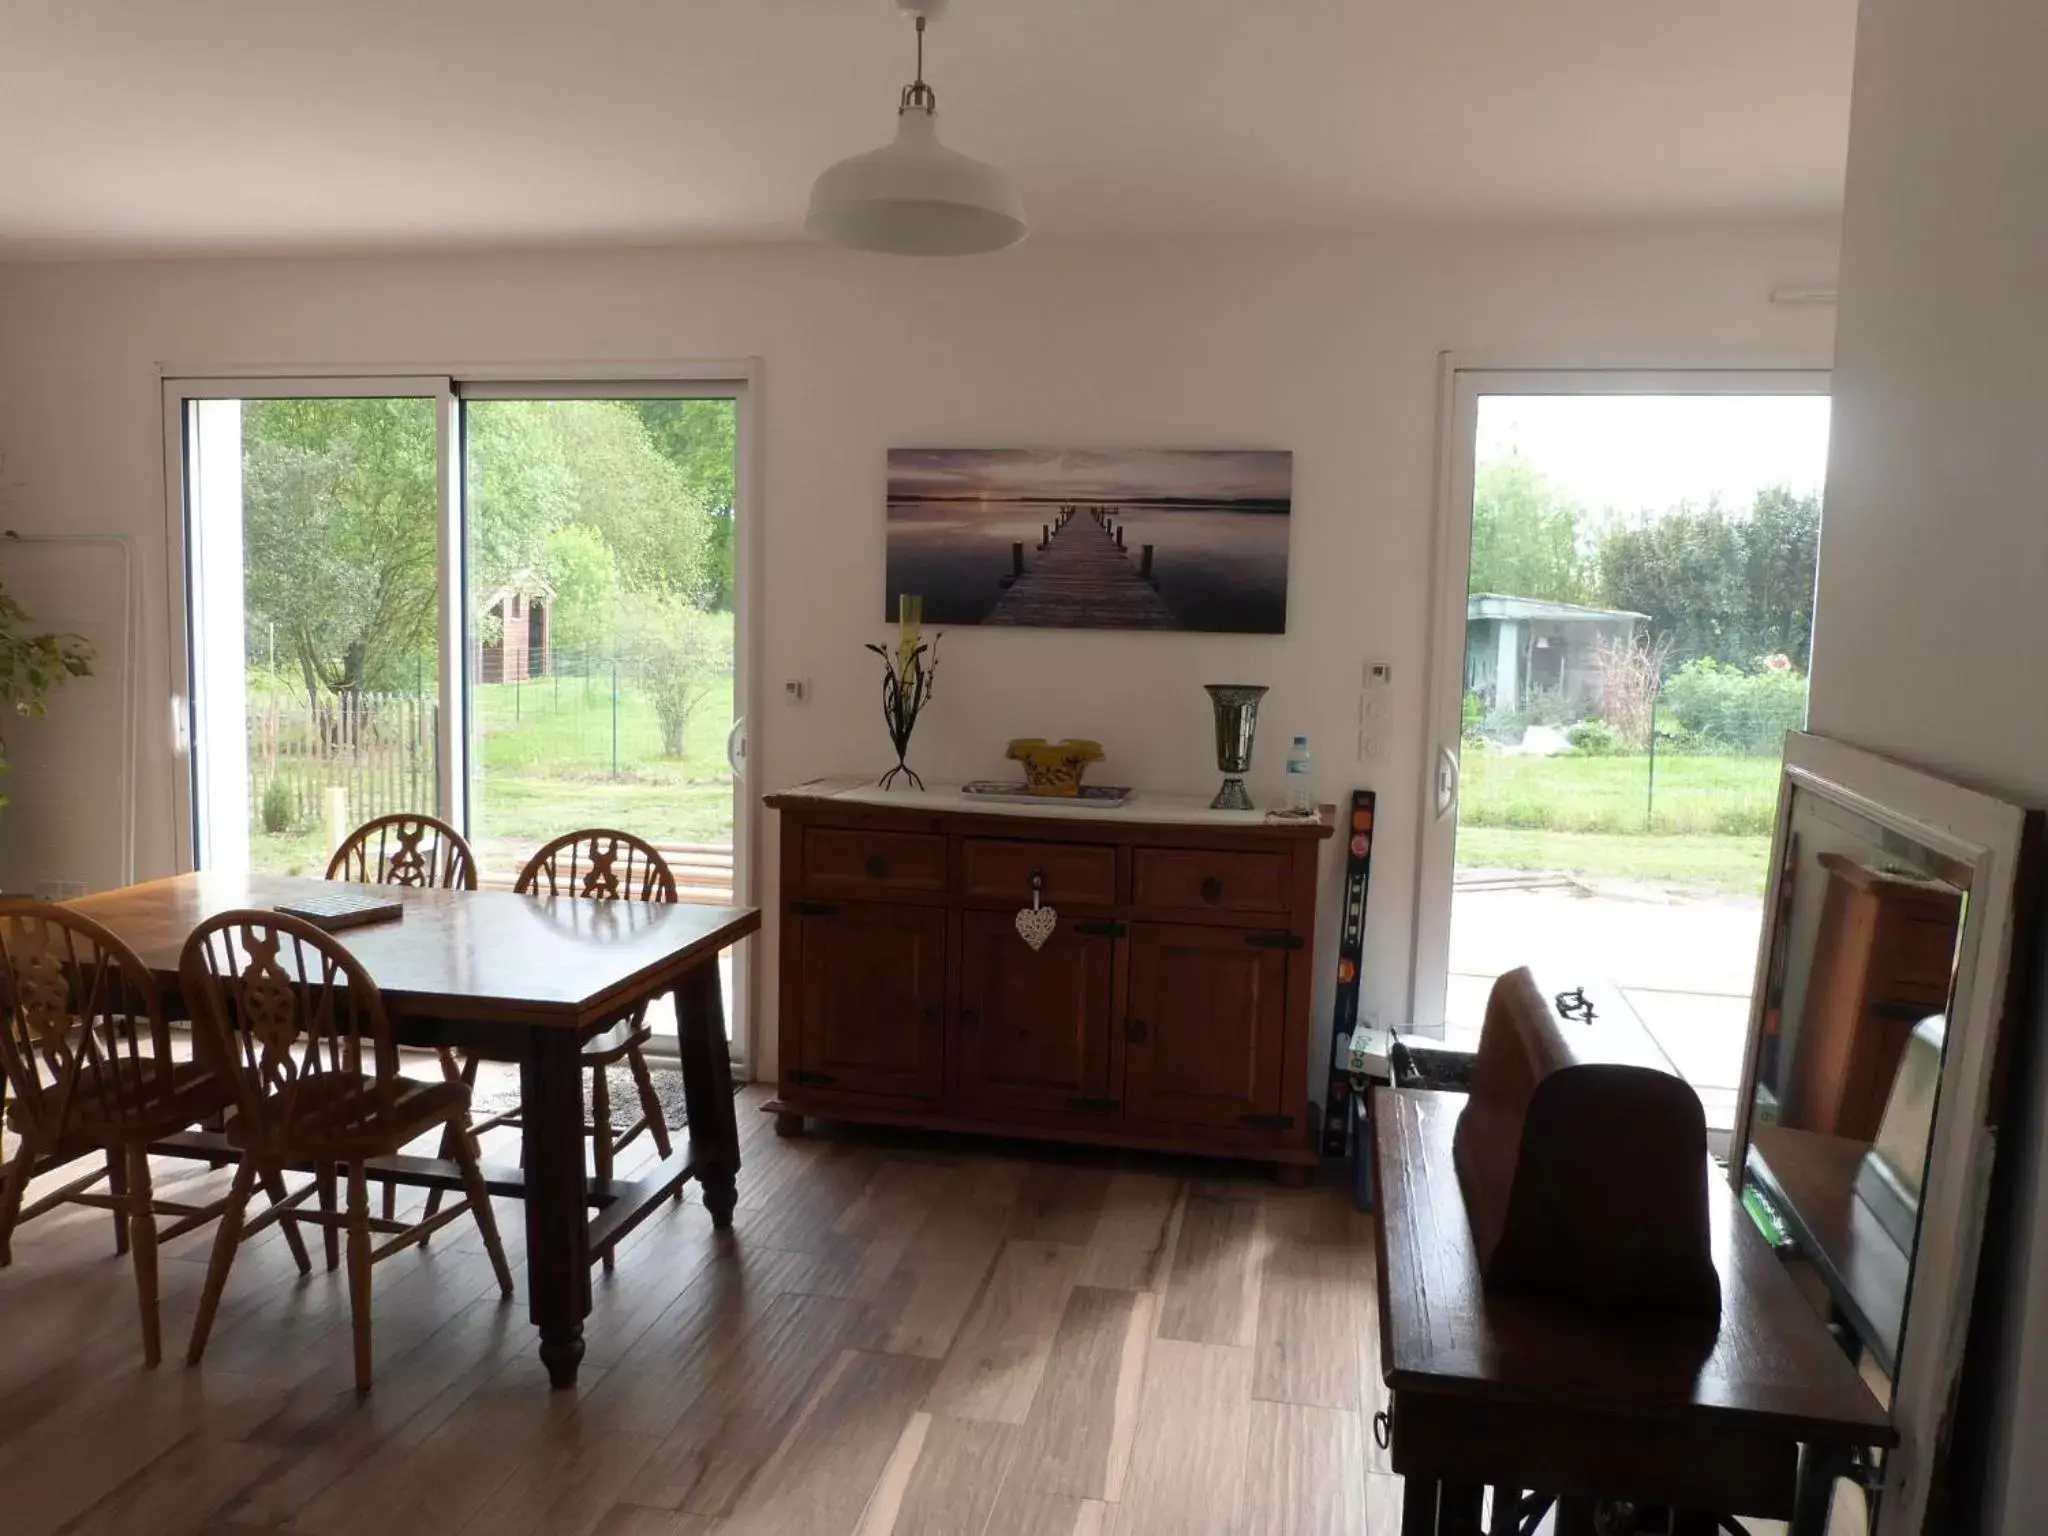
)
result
[(1035, 925)]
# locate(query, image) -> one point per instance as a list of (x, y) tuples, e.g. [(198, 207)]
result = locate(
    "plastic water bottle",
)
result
[(1301, 779)]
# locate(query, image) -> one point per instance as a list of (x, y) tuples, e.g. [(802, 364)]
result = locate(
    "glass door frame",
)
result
[(1462, 386), (736, 380)]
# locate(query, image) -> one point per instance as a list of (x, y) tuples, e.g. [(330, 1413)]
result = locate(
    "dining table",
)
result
[(515, 978)]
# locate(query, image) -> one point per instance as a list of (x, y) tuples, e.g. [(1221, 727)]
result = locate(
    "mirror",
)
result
[(1881, 991), (1865, 924)]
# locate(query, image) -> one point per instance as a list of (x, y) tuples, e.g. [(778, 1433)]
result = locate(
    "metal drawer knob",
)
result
[(1212, 890), (877, 866)]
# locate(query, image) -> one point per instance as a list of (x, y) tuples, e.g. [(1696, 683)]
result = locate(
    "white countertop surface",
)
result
[(1141, 805)]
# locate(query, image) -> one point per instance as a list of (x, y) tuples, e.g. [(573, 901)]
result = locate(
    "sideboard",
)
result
[(1168, 1009)]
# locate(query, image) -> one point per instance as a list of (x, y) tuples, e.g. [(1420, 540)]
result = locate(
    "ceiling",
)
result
[(133, 125)]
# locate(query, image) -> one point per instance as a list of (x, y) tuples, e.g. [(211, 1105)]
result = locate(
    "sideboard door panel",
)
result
[(1034, 1025), (1208, 1024), (873, 999)]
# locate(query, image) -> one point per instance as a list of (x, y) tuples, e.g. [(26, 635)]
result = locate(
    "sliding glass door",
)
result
[(513, 606)]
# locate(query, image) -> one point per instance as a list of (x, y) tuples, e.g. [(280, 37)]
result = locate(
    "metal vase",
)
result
[(1237, 721)]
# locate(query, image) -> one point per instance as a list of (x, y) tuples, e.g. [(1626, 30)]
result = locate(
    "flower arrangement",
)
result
[(907, 676)]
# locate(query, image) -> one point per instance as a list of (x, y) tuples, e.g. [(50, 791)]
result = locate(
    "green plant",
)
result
[(280, 807), (1475, 718), (1596, 738), (32, 666), (682, 654), (1748, 711)]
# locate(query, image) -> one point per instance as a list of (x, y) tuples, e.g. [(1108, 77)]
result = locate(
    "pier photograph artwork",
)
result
[(1161, 539)]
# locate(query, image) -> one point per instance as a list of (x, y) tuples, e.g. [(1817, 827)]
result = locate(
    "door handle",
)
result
[(1448, 773), (736, 747)]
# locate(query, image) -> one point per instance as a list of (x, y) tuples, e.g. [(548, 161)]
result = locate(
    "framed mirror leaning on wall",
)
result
[(1866, 1127)]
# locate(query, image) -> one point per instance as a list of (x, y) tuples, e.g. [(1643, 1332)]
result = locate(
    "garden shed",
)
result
[(1519, 647), (521, 615)]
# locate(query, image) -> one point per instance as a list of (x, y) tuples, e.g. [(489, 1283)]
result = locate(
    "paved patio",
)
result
[(1683, 960)]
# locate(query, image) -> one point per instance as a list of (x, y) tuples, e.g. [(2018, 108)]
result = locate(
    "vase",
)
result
[(1237, 721)]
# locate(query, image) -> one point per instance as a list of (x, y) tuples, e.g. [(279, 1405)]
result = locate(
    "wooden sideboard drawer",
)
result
[(1075, 874), (1224, 882), (845, 861)]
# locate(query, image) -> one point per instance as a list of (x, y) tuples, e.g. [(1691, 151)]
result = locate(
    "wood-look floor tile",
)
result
[(1212, 1290), (1127, 1249), (995, 1180), (1077, 1437), (937, 1279), (639, 1520), (821, 1477), (176, 1493), (994, 1366), (1304, 1471), (1060, 1204), (747, 1405), (1194, 1419), (897, 1200), (566, 1487), (1046, 1514), (1311, 1300), (943, 1479)]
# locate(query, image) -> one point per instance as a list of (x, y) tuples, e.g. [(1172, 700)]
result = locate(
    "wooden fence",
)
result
[(378, 747)]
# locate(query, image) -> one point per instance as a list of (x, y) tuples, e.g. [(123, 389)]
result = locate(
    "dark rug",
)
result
[(497, 1098)]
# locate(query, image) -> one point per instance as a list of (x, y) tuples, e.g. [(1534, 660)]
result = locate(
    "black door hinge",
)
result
[(1273, 940), (1100, 930), (1268, 1122), (1135, 1031), (1100, 1106), (812, 1079), (812, 908)]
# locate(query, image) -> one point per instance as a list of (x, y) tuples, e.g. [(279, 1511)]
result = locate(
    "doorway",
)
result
[(514, 606), (1622, 622)]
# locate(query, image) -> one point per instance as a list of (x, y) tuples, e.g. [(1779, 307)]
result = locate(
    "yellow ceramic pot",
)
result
[(1054, 767)]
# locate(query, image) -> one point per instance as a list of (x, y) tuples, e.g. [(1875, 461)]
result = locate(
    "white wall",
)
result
[(1931, 641), (1327, 347)]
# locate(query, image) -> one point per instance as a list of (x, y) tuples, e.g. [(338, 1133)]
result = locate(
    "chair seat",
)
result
[(602, 1050), (336, 1119), (196, 1093)]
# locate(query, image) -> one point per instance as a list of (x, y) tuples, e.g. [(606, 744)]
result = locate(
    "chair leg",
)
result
[(480, 1209), (650, 1104), (225, 1241), (323, 1182), (359, 1269), (142, 1245), (466, 1075), (117, 1186), (13, 1186), (601, 1131), (274, 1188)]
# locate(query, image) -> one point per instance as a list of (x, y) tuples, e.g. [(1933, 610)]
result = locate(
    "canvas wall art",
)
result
[(1092, 539)]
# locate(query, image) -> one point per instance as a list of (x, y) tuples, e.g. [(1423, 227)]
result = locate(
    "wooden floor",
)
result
[(907, 1334)]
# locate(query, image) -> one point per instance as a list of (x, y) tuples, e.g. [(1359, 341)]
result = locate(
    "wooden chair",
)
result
[(86, 1048), (419, 851), (301, 1031), (405, 849)]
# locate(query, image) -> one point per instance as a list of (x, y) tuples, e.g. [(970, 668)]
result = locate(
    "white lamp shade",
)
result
[(916, 197)]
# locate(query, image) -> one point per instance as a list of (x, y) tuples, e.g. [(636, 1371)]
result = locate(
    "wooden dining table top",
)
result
[(1771, 1365), (562, 960)]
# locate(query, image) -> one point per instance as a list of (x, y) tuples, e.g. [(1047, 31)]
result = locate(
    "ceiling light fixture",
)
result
[(915, 197)]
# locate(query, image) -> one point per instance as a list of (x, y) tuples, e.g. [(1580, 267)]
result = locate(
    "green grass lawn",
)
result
[(1725, 796), (554, 754), (1733, 865), (1708, 822)]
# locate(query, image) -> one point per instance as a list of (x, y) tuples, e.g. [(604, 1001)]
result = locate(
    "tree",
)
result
[(1527, 536), (682, 654), (700, 438), (1721, 587)]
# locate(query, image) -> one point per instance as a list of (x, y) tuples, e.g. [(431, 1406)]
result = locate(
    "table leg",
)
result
[(1813, 1496), (1418, 1506), (557, 1225), (1507, 1513), (707, 1089), (1575, 1518)]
